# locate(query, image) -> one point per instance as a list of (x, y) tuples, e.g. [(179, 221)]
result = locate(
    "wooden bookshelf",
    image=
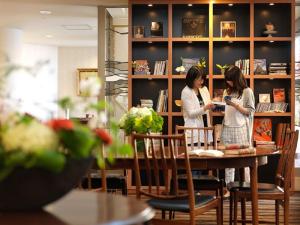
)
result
[(248, 44)]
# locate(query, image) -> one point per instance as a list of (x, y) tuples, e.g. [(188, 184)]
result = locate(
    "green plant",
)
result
[(202, 62), (224, 67), (141, 120)]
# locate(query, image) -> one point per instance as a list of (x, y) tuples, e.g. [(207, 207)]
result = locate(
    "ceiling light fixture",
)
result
[(45, 12), (271, 4), (49, 36), (150, 5), (230, 4), (190, 5), (271, 41), (149, 42)]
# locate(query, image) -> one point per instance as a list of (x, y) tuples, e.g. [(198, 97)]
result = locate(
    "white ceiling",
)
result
[(50, 29)]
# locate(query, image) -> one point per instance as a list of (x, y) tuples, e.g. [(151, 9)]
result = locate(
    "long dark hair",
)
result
[(195, 72), (234, 74)]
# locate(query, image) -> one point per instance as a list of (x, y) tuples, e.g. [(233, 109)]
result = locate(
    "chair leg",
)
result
[(243, 211), (219, 214), (235, 207), (277, 212), (230, 207), (286, 206), (222, 200)]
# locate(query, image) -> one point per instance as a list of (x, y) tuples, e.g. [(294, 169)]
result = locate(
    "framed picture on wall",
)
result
[(228, 29), (85, 74)]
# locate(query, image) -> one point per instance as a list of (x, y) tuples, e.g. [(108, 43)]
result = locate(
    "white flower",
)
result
[(90, 87), (133, 111), (180, 69), (144, 112), (30, 137), (122, 121)]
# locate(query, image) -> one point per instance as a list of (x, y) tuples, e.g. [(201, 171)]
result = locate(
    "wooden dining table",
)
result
[(253, 160), (84, 208)]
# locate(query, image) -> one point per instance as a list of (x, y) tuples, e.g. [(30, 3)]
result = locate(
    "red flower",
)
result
[(104, 136), (61, 124)]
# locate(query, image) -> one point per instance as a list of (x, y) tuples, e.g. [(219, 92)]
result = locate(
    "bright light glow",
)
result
[(230, 4), (45, 12), (271, 4), (150, 5), (49, 36), (190, 5)]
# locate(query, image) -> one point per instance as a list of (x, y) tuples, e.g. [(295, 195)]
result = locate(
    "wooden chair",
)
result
[(202, 182), (279, 192), (160, 163)]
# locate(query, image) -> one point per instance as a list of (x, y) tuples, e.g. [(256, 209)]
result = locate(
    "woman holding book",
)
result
[(239, 112), (196, 104)]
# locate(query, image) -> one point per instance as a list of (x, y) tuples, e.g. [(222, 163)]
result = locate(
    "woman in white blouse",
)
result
[(196, 103)]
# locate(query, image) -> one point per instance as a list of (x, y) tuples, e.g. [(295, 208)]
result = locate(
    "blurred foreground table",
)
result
[(84, 208)]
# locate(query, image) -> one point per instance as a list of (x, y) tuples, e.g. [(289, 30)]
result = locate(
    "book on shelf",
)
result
[(162, 101), (264, 98), (156, 29), (146, 103), (262, 129), (244, 65), (193, 27), (279, 95), (187, 63), (271, 107), (278, 68), (160, 67), (260, 66), (141, 67)]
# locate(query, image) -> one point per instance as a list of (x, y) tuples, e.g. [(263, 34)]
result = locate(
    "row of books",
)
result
[(162, 101), (272, 107), (244, 65), (147, 103), (278, 68), (160, 68)]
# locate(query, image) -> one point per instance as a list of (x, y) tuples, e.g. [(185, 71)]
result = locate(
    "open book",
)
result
[(207, 153)]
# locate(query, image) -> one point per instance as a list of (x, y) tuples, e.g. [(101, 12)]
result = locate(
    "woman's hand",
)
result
[(209, 106), (231, 103)]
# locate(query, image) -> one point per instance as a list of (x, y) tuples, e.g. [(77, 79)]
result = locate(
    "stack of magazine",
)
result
[(146, 103), (278, 68), (160, 68), (244, 65)]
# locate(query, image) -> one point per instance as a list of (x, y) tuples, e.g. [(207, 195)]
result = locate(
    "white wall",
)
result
[(69, 60), (36, 94)]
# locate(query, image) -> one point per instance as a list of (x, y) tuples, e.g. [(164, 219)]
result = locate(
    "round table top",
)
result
[(84, 208)]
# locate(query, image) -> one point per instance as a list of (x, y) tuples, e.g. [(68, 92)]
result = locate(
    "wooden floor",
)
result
[(266, 212)]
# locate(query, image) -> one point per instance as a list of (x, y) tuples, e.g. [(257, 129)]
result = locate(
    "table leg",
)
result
[(254, 192)]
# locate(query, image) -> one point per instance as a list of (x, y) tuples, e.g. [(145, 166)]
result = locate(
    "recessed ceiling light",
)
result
[(190, 5), (271, 41), (271, 3), (49, 36), (150, 5), (77, 27), (230, 4), (45, 12), (149, 42)]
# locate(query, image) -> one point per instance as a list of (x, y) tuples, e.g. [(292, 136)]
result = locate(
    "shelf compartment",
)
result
[(192, 50), (240, 13), (181, 11), (142, 15), (177, 87), (278, 14), (149, 77), (228, 53), (219, 77), (233, 39), (184, 39), (177, 120), (273, 39), (272, 76), (151, 39)]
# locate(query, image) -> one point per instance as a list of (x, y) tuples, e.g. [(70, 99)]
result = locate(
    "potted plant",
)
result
[(222, 68), (202, 62), (40, 161), (142, 121)]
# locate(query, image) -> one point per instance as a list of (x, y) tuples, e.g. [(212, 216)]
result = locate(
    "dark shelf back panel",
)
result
[(275, 52), (178, 86), (177, 120), (189, 50), (279, 15), (240, 13), (142, 15), (152, 52), (228, 53), (147, 89), (266, 86), (181, 11)]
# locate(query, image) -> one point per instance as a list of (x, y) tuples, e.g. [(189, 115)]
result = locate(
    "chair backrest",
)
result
[(161, 163), (194, 134), (286, 161)]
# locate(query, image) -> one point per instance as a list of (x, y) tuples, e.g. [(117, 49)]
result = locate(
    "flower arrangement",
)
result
[(141, 120), (26, 142)]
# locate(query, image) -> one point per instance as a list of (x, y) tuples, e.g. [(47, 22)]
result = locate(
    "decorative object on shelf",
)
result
[(50, 157), (180, 69), (141, 67), (138, 31), (262, 129), (194, 27), (178, 102), (146, 103), (222, 68), (264, 98), (228, 29), (269, 29), (161, 68), (85, 77), (260, 66), (141, 120), (156, 29), (202, 62), (279, 95), (187, 63)]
